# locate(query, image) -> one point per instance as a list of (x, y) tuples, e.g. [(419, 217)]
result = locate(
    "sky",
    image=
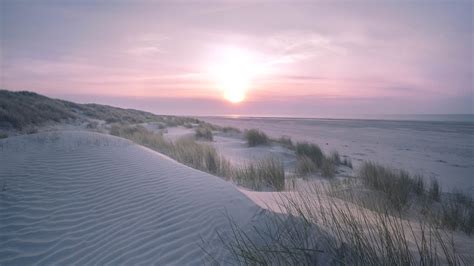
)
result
[(260, 58)]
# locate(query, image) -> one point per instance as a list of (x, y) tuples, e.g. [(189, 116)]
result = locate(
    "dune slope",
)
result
[(86, 198)]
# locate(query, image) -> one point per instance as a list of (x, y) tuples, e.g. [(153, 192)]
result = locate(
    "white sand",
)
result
[(274, 201), (87, 198)]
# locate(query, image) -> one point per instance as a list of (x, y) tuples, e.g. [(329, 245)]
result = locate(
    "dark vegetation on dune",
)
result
[(264, 174), (310, 159), (320, 230), (399, 190), (256, 137), (23, 110), (203, 132)]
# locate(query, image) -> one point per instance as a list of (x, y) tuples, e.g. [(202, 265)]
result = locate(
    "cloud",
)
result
[(148, 44), (145, 50)]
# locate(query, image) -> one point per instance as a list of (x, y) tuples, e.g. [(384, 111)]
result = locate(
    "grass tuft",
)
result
[(305, 166), (286, 142), (328, 167), (203, 132), (310, 158), (315, 228), (347, 162), (256, 137), (264, 174), (396, 185), (335, 157), (231, 130), (457, 212), (434, 191), (311, 151)]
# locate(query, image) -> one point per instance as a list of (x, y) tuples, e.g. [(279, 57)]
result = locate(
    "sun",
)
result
[(233, 73)]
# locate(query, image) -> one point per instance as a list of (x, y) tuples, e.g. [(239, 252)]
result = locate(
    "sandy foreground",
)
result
[(88, 198), (73, 196)]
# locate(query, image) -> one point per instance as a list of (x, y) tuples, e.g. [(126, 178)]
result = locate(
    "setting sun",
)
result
[(233, 73)]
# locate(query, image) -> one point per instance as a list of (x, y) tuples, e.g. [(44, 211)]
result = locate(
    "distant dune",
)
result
[(87, 198), (24, 111)]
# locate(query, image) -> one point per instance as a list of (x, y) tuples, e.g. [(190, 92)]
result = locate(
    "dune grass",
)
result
[(256, 137), (395, 184), (435, 190), (184, 150), (328, 167), (455, 211), (199, 156), (285, 141), (310, 159), (318, 229), (311, 151), (233, 130), (265, 174), (188, 125), (203, 133), (22, 109), (305, 166)]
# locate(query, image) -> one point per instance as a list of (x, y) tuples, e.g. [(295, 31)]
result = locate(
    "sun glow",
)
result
[(233, 73)]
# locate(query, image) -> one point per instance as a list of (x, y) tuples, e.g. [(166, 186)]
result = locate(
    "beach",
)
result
[(435, 149)]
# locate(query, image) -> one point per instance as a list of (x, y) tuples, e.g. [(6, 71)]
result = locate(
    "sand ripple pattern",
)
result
[(85, 198)]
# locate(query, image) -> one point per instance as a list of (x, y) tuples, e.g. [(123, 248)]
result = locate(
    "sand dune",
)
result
[(87, 198)]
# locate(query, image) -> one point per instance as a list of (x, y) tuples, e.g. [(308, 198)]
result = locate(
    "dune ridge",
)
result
[(86, 198)]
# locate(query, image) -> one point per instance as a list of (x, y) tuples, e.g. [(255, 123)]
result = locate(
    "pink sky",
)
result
[(327, 57)]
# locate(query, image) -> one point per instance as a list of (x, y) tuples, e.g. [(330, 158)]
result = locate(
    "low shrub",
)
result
[(3, 135), (256, 137)]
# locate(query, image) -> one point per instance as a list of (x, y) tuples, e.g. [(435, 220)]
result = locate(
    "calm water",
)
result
[(436, 146)]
